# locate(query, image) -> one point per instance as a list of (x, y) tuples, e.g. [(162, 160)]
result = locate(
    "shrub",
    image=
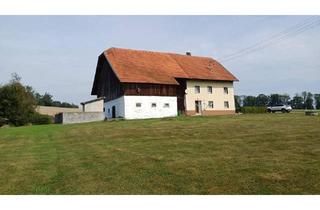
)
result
[(253, 109), (40, 119), (3, 121), (16, 103)]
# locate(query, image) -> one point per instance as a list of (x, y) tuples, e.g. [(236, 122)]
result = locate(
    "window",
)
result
[(138, 104), (225, 89), (196, 89), (153, 105), (104, 109), (210, 104), (210, 89), (166, 105), (108, 111), (226, 104)]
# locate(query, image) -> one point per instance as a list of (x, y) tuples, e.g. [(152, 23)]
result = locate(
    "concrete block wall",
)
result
[(79, 117)]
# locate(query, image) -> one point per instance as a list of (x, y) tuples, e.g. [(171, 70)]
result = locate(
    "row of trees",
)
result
[(18, 103), (47, 100), (304, 100)]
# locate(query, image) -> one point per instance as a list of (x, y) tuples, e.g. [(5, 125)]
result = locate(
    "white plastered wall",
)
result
[(146, 110), (118, 103), (218, 96), (126, 107), (96, 106)]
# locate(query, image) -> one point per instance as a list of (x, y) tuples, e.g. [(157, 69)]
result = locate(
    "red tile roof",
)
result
[(138, 66)]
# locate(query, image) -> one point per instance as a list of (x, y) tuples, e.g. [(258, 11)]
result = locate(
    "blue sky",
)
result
[(58, 54)]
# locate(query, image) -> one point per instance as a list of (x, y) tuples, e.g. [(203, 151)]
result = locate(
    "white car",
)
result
[(279, 108)]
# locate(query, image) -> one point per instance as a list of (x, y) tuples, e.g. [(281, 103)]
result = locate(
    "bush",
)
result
[(3, 121), (40, 119), (16, 103), (253, 109)]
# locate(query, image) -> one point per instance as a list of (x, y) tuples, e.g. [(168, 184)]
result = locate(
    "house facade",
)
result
[(139, 84)]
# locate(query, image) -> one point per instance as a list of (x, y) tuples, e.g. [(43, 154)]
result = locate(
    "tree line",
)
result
[(18, 103), (303, 100)]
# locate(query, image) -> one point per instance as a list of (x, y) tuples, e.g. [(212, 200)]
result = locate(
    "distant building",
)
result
[(143, 84), (95, 105)]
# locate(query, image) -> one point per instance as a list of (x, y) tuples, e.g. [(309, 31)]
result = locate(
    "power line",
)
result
[(305, 25), (273, 42), (306, 21), (284, 33)]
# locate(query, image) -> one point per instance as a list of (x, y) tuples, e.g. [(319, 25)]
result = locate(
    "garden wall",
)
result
[(78, 117)]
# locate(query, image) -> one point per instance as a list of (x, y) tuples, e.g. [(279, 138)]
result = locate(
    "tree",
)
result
[(317, 100), (275, 99), (284, 99), (297, 102), (309, 101), (17, 103), (249, 101), (262, 100), (237, 100), (46, 99)]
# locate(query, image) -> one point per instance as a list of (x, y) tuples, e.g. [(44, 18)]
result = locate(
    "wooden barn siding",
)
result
[(97, 77), (106, 82), (181, 95), (150, 89)]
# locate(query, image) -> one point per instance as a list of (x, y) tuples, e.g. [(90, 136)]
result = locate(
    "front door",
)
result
[(198, 107), (114, 112)]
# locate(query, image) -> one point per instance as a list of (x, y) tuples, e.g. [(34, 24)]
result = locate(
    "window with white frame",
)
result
[(225, 89), (210, 104), (209, 89), (166, 105), (226, 104), (138, 105), (197, 89), (153, 105)]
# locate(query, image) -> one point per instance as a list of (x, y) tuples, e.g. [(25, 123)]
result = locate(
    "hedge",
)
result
[(40, 119), (253, 109)]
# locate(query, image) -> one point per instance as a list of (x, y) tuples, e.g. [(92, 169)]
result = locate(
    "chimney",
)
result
[(188, 53)]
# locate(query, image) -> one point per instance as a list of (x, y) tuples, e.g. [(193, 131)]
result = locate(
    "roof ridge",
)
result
[(156, 52)]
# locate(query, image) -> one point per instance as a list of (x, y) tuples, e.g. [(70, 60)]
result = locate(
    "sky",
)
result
[(58, 54)]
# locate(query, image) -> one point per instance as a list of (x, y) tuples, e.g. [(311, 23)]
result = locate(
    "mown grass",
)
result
[(244, 154)]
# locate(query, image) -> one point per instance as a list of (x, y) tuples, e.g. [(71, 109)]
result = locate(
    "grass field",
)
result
[(244, 154)]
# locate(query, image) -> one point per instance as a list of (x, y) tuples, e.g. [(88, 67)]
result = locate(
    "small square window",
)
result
[(138, 104), (197, 89), (210, 89), (226, 104), (210, 104), (166, 105), (225, 89), (153, 105)]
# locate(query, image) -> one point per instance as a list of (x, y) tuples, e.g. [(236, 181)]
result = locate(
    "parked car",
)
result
[(279, 108)]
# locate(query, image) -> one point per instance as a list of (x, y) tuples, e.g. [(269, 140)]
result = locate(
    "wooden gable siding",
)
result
[(106, 82), (150, 89)]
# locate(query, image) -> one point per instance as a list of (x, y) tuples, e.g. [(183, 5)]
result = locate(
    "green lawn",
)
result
[(244, 154)]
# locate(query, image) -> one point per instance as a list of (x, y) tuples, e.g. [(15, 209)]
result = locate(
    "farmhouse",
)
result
[(139, 84)]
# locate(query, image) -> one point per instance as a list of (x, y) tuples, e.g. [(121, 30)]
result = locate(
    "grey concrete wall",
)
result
[(79, 117)]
